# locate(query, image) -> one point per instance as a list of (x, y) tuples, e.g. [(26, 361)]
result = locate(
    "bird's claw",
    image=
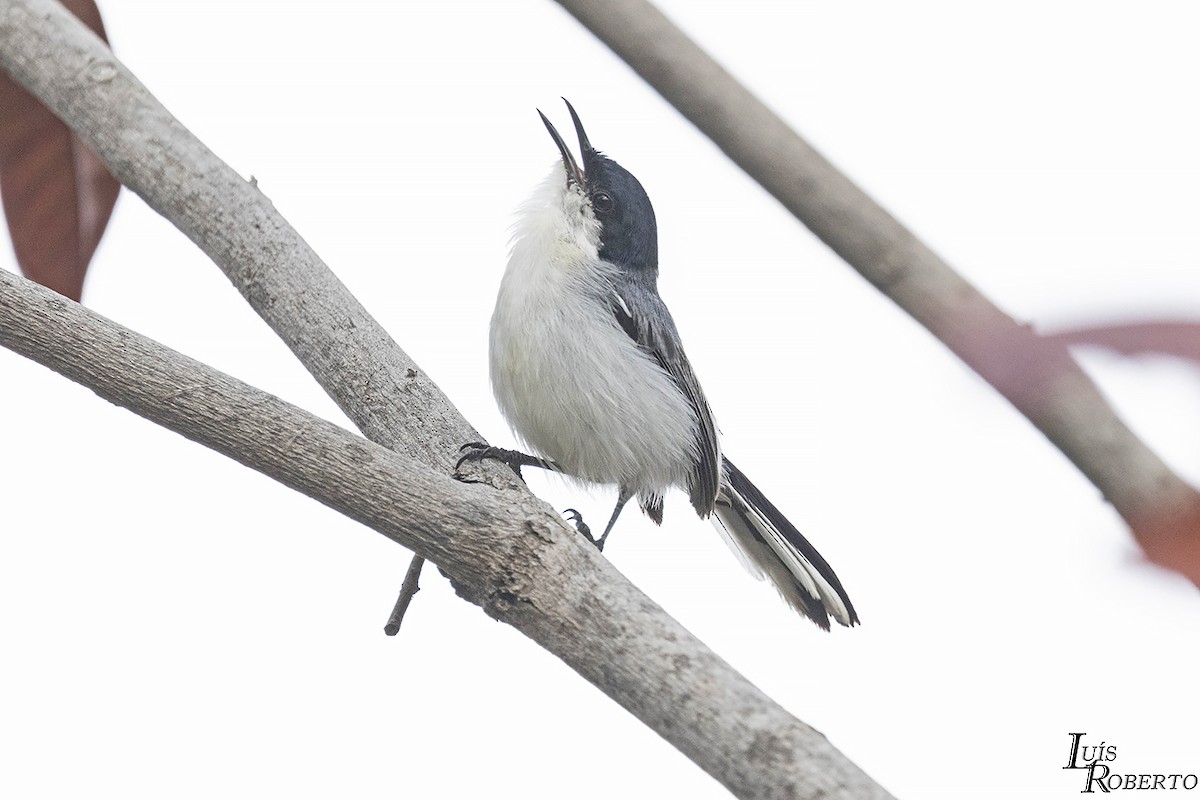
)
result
[(478, 451), (577, 520), (582, 527)]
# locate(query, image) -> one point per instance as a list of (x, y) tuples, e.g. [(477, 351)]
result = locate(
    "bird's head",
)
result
[(613, 207)]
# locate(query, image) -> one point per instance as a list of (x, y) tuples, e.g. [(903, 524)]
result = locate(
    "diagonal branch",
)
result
[(1038, 376), (75, 75), (507, 552), (351, 356)]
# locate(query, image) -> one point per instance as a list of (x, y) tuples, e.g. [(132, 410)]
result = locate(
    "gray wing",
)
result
[(642, 314)]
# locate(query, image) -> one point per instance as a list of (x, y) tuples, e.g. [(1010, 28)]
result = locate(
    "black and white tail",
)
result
[(768, 545)]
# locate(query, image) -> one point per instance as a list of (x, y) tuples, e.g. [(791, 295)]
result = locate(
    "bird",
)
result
[(588, 368)]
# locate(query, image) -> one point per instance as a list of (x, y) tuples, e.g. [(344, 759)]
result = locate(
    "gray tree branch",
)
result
[(361, 367), (506, 552), (408, 590), (1038, 376)]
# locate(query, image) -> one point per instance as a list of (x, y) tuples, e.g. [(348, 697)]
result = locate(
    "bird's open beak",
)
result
[(574, 173), (584, 144)]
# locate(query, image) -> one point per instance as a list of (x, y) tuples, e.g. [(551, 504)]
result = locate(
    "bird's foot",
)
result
[(581, 526), (514, 459)]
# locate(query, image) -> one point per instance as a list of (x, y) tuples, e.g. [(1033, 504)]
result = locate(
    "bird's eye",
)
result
[(602, 202)]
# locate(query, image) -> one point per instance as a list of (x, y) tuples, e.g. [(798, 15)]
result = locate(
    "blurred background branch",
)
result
[(1037, 375)]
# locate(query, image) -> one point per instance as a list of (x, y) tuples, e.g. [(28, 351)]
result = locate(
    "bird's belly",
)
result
[(578, 390)]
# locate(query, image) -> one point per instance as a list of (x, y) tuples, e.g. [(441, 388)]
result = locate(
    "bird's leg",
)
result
[(622, 499), (478, 451)]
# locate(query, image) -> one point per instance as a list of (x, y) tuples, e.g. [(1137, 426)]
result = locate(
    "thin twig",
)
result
[(408, 590)]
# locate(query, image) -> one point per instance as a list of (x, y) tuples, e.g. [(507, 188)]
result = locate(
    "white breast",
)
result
[(569, 381)]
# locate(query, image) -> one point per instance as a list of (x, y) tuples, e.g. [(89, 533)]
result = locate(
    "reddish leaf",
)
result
[(57, 194), (1180, 339)]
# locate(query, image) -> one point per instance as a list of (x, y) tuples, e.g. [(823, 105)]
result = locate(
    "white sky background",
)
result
[(177, 625)]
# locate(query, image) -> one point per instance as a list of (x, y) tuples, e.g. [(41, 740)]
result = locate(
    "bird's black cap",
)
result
[(629, 233)]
